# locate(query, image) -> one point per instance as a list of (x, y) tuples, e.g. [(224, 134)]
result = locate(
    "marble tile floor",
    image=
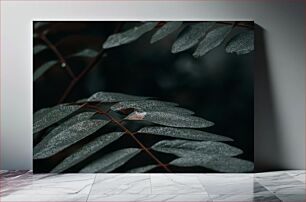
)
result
[(280, 186)]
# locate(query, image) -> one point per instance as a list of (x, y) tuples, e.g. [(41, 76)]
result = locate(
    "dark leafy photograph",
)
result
[(143, 97)]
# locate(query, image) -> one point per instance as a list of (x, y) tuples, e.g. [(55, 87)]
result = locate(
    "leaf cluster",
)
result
[(205, 36), (94, 135), (202, 37)]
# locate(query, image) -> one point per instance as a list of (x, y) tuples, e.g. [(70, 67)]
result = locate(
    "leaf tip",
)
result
[(175, 48), (153, 40), (195, 55)]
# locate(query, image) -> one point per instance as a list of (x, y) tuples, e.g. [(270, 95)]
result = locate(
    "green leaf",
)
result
[(40, 114), (170, 119), (150, 105), (111, 161), (190, 36), (52, 116), (216, 163), (106, 97), (37, 116), (212, 40), (87, 150), (165, 30), (190, 134), (40, 24), (129, 35), (43, 69), (76, 119), (242, 43), (38, 48), (68, 137), (90, 53), (183, 148), (140, 104), (142, 169), (173, 110)]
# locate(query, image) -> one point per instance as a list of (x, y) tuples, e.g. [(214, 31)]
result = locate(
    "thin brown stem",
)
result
[(143, 147), (58, 54), (86, 69), (80, 76)]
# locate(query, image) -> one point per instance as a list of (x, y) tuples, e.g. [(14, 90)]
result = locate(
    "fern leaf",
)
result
[(38, 48), (140, 104), (192, 147), (190, 36), (150, 105), (216, 163), (53, 115), (129, 35), (89, 53), (142, 169), (165, 30), (40, 114), (87, 150), (76, 119), (242, 43), (68, 137), (40, 24), (43, 69), (170, 119), (212, 40), (111, 161), (183, 148), (189, 134), (106, 97)]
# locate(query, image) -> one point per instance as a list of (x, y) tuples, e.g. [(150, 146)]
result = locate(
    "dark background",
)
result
[(217, 86)]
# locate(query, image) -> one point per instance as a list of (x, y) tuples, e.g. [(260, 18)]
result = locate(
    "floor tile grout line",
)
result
[(209, 197), (215, 194), (91, 187), (271, 192), (289, 177), (150, 175), (294, 176)]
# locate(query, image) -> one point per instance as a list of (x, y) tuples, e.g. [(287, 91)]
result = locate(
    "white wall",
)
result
[(279, 72)]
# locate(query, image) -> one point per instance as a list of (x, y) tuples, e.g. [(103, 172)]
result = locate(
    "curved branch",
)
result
[(80, 76), (131, 134), (85, 70), (58, 54)]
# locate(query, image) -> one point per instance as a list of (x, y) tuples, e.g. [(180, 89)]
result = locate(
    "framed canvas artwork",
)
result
[(136, 97)]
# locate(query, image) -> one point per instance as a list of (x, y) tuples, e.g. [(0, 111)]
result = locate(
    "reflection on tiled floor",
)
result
[(286, 186)]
